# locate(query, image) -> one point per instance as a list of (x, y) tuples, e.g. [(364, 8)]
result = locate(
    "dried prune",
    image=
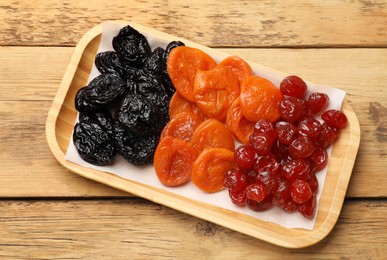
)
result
[(135, 149), (108, 62), (150, 87), (170, 46), (131, 46), (94, 145), (100, 92), (102, 118), (138, 115), (155, 64)]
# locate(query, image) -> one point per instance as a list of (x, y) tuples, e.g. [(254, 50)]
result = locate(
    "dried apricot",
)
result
[(260, 99), (173, 161), (215, 90), (209, 169), (182, 126), (238, 124), (182, 64), (179, 104), (212, 134), (239, 67)]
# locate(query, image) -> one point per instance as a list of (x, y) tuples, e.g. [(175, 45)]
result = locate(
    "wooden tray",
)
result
[(59, 127)]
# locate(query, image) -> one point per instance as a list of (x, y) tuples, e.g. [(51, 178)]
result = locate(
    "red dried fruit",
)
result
[(317, 101), (266, 163), (265, 127), (293, 86), (318, 160), (301, 148), (309, 127), (264, 205), (235, 180), (300, 191), (327, 136), (256, 191), (268, 179), (308, 208), (286, 132), (280, 151), (261, 143), (251, 176), (335, 118), (244, 157), (296, 169), (313, 183), (291, 109), (239, 198)]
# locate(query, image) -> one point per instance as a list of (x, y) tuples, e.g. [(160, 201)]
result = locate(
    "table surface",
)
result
[(48, 212)]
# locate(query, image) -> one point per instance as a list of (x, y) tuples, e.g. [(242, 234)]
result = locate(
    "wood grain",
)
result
[(216, 23), (122, 229), (28, 71)]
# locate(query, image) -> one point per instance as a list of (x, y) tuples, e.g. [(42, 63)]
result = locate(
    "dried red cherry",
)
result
[(309, 127), (300, 191), (308, 208), (293, 86), (335, 118), (291, 109), (317, 101), (244, 157), (286, 132), (301, 148), (239, 198), (266, 163), (318, 160), (235, 180), (296, 169), (256, 191)]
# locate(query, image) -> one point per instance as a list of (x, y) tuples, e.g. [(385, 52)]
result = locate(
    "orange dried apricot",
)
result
[(210, 167), (179, 104), (182, 126), (260, 99), (182, 64), (173, 161), (212, 134), (215, 90), (239, 67), (238, 124)]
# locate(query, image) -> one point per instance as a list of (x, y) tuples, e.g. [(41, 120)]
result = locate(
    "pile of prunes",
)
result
[(124, 109)]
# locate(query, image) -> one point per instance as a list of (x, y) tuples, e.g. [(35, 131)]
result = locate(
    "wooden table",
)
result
[(48, 212)]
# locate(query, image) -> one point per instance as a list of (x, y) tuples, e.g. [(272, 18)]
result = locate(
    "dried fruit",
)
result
[(335, 118), (293, 86), (173, 161), (260, 99)]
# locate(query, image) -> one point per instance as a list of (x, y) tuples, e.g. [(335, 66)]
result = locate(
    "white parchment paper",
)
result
[(146, 175)]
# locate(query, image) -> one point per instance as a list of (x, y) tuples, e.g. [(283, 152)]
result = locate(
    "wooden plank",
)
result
[(216, 23), (24, 77), (140, 229), (27, 166)]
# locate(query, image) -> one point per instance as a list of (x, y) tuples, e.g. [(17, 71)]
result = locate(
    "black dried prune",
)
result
[(82, 101), (139, 115), (108, 63), (102, 118), (167, 83), (93, 144), (155, 64), (101, 92), (150, 87), (131, 46), (135, 149), (170, 46)]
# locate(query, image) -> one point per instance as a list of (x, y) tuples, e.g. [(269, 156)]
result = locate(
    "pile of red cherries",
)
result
[(278, 166)]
